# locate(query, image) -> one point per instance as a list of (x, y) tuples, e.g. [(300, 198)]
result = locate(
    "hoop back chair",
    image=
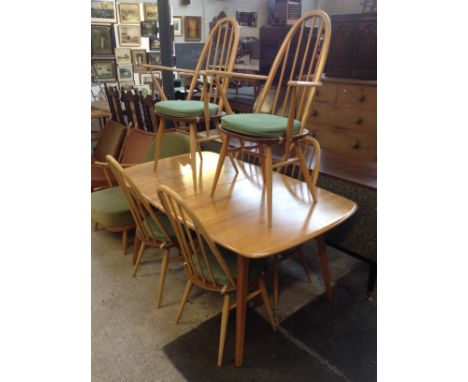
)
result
[(218, 53), (283, 106), (205, 264), (153, 229)]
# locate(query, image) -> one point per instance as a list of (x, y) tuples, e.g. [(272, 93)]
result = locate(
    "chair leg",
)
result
[(275, 281), (224, 324), (266, 301), (140, 255), (199, 150), (222, 155), (162, 276), (125, 241), (136, 248), (159, 138), (306, 172), (188, 288), (300, 250), (269, 181), (324, 265), (193, 158)]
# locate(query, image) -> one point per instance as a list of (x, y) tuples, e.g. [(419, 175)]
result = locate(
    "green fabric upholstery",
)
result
[(110, 141), (258, 124), (173, 144), (165, 223), (256, 266), (184, 109), (109, 208)]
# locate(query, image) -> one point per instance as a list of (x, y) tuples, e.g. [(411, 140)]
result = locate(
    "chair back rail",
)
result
[(195, 243)]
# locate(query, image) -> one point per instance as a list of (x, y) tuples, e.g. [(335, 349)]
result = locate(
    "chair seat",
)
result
[(184, 109), (256, 266), (172, 144), (165, 223), (258, 124), (110, 209)]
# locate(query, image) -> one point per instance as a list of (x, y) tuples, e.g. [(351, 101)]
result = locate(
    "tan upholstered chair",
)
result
[(206, 265)]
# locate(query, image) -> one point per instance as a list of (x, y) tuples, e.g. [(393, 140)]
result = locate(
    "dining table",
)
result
[(236, 216)]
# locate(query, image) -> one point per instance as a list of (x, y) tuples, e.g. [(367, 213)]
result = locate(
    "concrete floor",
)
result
[(128, 332)]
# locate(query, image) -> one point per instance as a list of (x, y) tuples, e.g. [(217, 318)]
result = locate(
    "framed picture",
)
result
[(123, 56), (154, 58), (103, 11), (104, 70), (125, 72), (150, 11), (149, 28), (145, 78), (192, 28), (129, 13), (126, 85), (102, 40), (130, 35), (177, 21), (154, 43), (138, 59), (144, 89)]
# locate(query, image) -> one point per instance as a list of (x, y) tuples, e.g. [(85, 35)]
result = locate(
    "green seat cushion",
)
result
[(172, 144), (109, 208), (184, 109), (258, 124), (165, 223), (256, 266)]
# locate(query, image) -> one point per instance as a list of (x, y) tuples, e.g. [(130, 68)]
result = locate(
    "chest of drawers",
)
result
[(344, 117)]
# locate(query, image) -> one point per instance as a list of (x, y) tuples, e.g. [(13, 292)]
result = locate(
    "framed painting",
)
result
[(130, 35), (138, 59), (103, 11), (129, 13), (146, 79), (150, 11), (144, 89), (154, 58), (177, 21), (123, 56), (126, 85), (125, 72), (154, 43), (102, 40), (192, 28), (104, 70), (149, 28)]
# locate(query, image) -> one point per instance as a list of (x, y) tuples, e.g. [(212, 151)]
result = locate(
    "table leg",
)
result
[(324, 265), (241, 296)]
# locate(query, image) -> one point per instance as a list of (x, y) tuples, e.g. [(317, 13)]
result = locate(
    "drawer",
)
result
[(323, 113), (357, 143), (356, 96), (326, 93)]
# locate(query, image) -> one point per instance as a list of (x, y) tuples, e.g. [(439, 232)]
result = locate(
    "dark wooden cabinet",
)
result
[(353, 47)]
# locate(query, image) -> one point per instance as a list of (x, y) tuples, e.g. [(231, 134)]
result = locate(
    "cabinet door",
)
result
[(341, 50), (364, 62)]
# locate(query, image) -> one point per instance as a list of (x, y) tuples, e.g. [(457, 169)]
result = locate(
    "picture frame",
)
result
[(150, 11), (154, 43), (125, 73), (178, 22), (149, 28), (103, 11), (139, 58), (127, 85), (145, 89), (105, 70), (129, 35), (192, 28), (146, 78), (154, 58), (102, 40), (123, 56), (129, 13)]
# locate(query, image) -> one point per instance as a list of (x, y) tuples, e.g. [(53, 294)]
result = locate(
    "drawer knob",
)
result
[(314, 113), (361, 98), (355, 144), (359, 120)]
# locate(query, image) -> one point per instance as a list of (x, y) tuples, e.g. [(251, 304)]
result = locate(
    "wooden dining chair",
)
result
[(290, 85), (219, 52), (206, 265), (153, 228)]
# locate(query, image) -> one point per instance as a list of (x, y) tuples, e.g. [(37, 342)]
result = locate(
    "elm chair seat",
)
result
[(110, 209), (258, 125), (255, 269), (184, 109)]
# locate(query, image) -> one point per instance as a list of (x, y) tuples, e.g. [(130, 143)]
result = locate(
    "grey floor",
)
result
[(128, 332)]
